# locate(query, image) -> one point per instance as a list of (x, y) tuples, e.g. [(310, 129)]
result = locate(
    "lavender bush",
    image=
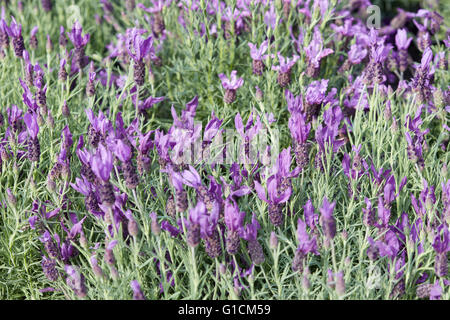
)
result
[(245, 149)]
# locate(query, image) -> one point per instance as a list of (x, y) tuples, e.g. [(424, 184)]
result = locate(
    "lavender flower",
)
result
[(258, 57), (102, 164), (34, 149), (46, 5), (270, 18), (311, 218), (230, 85), (234, 219), (421, 83), (209, 232), (33, 39), (327, 220), (196, 216), (137, 292), (433, 19), (62, 37), (138, 48), (423, 37), (402, 43), (305, 246), (314, 97), (275, 200), (4, 38), (284, 69), (15, 32), (124, 153), (49, 268), (79, 43), (75, 281), (158, 25), (356, 55), (249, 233), (315, 52), (326, 136), (441, 245), (299, 132), (90, 87), (247, 134)]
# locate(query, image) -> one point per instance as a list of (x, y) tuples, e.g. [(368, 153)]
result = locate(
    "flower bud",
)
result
[(50, 120), (273, 240), (65, 110), (83, 241), (222, 268), (156, 229), (133, 228), (11, 198), (49, 44), (51, 185), (259, 94), (306, 284), (340, 283)]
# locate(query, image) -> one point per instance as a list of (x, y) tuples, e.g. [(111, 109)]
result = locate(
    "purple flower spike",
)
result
[(441, 245), (32, 125), (196, 217), (286, 64), (75, 35), (102, 163), (258, 54), (401, 40), (315, 52), (258, 57), (270, 18), (122, 151), (137, 46), (299, 132), (284, 69), (311, 218), (327, 220), (79, 42), (250, 233), (231, 85), (15, 32), (234, 219), (356, 54), (137, 292), (75, 281), (305, 244), (149, 102)]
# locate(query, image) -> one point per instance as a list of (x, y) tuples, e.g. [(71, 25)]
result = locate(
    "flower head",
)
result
[(250, 231), (137, 46), (75, 35), (30, 120), (305, 244), (234, 218), (401, 40), (315, 50), (232, 83), (328, 222), (286, 64), (258, 53), (102, 163)]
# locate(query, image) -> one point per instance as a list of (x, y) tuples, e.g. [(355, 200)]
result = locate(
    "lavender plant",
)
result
[(128, 172)]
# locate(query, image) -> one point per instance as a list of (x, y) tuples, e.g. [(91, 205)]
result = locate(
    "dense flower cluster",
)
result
[(172, 193)]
